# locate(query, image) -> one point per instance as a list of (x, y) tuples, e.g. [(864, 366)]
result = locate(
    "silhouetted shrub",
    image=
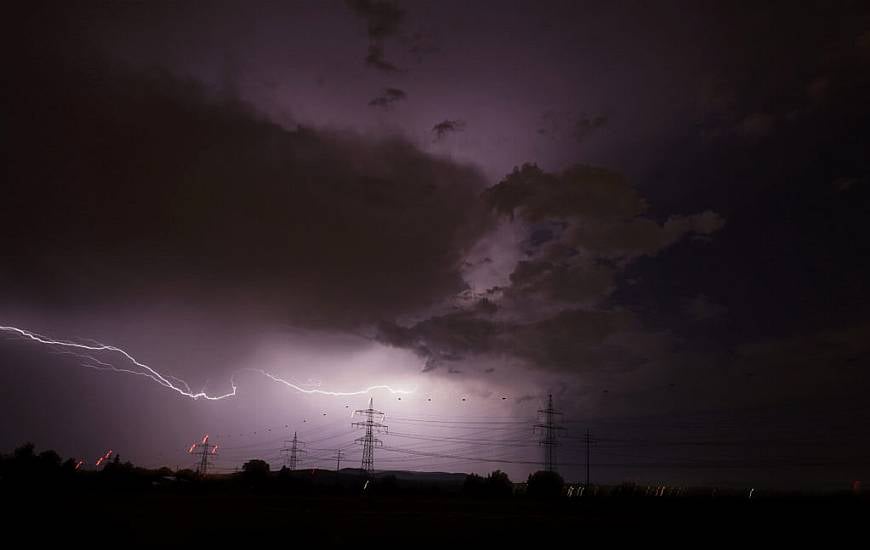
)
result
[(544, 484), (255, 471), (495, 485)]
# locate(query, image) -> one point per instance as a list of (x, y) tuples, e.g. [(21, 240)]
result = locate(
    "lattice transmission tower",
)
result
[(292, 453), (205, 450), (372, 423), (549, 431)]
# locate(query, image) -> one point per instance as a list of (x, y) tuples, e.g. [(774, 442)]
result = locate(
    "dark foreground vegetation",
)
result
[(45, 497)]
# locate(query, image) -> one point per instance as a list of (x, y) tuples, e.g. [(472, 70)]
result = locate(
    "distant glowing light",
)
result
[(104, 458)]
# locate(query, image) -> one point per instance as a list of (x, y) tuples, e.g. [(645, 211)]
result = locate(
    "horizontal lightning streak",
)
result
[(181, 387), (369, 389)]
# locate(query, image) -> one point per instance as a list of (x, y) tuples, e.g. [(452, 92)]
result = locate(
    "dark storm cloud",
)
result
[(420, 45), (445, 338), (558, 125), (700, 308), (776, 83), (604, 214), (571, 342), (388, 99), (447, 127), (587, 225), (383, 17), (383, 20), (585, 282), (122, 187), (375, 59), (586, 125), (843, 351)]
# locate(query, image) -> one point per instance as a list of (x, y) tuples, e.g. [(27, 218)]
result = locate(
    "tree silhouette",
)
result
[(24, 452), (256, 469), (495, 485), (544, 484), (498, 484)]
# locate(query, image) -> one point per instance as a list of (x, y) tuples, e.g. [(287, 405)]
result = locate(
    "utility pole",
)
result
[(372, 423), (205, 450), (291, 454), (548, 435), (588, 444)]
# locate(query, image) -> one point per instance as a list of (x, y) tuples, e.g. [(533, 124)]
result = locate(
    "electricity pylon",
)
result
[(372, 423), (291, 453), (548, 440), (205, 450)]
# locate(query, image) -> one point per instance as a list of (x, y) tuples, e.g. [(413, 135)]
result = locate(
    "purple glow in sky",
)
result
[(655, 213)]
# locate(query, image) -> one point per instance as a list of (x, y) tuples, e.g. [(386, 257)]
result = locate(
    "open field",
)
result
[(211, 518)]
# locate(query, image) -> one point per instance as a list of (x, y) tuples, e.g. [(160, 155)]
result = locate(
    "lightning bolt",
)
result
[(146, 371), (79, 350), (300, 389)]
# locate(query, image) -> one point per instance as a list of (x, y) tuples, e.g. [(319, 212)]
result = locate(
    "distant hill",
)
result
[(429, 477)]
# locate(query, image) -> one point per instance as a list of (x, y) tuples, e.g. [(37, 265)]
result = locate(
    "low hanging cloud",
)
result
[(420, 45), (375, 59), (447, 127), (701, 308), (388, 98), (558, 125), (587, 125), (383, 20)]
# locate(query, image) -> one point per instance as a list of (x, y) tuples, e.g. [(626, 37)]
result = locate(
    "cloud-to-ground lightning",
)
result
[(179, 386)]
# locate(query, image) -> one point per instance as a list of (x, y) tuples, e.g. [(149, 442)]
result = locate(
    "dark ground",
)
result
[(216, 519), (46, 500)]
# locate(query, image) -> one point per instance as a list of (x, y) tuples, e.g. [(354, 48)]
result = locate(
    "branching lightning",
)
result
[(146, 371), (79, 350)]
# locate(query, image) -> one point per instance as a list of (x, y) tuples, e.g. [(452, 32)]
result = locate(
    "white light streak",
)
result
[(168, 381)]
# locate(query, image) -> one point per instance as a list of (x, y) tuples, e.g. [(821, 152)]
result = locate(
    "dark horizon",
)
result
[(248, 219)]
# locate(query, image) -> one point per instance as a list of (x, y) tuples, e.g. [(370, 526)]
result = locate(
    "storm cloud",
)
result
[(383, 20), (585, 226), (150, 185), (388, 98), (447, 127)]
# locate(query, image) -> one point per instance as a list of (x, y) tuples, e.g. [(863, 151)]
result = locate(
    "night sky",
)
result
[(659, 213)]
